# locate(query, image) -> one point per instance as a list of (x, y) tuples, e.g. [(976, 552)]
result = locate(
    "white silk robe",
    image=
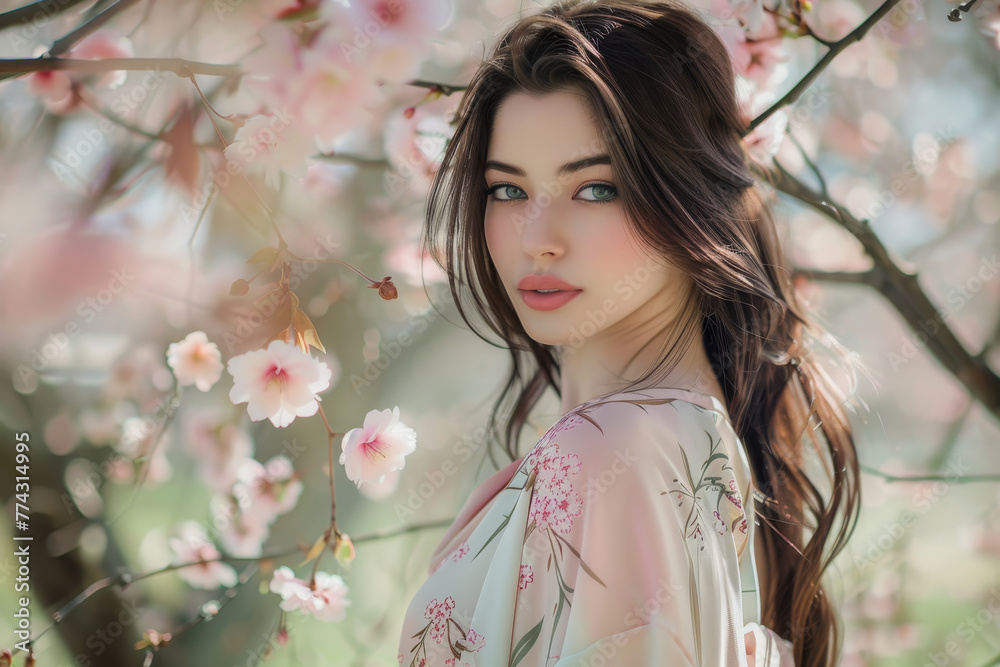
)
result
[(621, 538)]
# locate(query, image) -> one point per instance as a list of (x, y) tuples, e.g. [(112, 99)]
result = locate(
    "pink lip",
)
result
[(551, 301), (538, 301), (545, 281)]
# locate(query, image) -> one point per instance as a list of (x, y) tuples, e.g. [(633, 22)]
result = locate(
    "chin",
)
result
[(544, 337)]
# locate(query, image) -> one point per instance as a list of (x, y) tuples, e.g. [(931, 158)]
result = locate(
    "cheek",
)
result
[(497, 240), (613, 254)]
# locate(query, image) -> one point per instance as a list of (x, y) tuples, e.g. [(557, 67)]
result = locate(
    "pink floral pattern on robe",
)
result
[(621, 538)]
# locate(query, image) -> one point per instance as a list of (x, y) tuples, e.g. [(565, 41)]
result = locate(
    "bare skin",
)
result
[(572, 225)]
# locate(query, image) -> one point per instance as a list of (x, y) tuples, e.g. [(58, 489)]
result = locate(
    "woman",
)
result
[(596, 205)]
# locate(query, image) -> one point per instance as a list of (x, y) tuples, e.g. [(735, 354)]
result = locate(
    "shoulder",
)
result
[(661, 432)]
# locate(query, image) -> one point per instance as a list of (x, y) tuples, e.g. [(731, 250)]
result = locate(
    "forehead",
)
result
[(541, 132)]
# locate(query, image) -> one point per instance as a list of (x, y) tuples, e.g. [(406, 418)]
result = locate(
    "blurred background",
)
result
[(125, 220)]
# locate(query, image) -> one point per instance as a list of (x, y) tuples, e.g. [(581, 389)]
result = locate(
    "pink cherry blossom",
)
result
[(410, 22), (142, 441), (101, 45), (462, 549), (266, 490), (749, 13), (765, 139), (718, 523), (327, 601), (141, 377), (192, 544), (279, 383), (195, 360), (327, 94), (272, 64), (439, 613), (755, 53), (988, 22), (331, 96), (219, 447), (55, 89), (526, 576), (473, 641), (553, 501), (241, 534), (270, 144), (368, 453)]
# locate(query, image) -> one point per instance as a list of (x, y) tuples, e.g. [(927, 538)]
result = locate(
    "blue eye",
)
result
[(601, 186), (502, 186), (610, 192)]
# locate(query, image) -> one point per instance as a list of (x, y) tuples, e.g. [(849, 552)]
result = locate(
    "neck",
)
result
[(608, 363)]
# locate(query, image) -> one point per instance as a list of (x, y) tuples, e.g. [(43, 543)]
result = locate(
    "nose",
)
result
[(542, 232)]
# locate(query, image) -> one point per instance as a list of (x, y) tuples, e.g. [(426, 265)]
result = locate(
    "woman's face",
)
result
[(553, 209)]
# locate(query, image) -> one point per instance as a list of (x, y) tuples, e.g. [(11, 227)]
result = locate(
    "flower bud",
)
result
[(344, 549), (385, 288)]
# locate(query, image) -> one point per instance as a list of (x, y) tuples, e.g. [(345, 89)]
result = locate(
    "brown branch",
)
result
[(68, 41), (179, 66), (855, 277), (124, 579), (29, 13), (445, 88), (332, 532), (934, 477), (902, 289), (854, 36)]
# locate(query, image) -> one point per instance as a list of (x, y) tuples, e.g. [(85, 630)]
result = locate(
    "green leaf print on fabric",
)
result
[(696, 523), (524, 644)]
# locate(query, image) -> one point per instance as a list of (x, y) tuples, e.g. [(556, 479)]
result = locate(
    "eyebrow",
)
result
[(567, 168)]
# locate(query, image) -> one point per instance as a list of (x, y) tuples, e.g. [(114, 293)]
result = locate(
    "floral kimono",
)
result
[(621, 538)]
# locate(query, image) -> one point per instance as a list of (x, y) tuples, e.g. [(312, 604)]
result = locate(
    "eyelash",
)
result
[(493, 188)]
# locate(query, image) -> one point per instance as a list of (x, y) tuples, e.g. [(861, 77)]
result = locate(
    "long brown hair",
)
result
[(660, 85)]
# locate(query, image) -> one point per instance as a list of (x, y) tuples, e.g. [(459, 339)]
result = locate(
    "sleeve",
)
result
[(630, 542)]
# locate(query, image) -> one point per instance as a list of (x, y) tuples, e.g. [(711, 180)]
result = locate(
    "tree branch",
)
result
[(902, 289), (29, 13), (854, 36), (124, 579), (933, 477), (68, 41), (179, 66), (856, 277)]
